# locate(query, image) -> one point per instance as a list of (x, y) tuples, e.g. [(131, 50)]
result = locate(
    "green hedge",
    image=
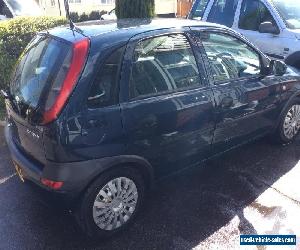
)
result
[(94, 15), (15, 34), (135, 8)]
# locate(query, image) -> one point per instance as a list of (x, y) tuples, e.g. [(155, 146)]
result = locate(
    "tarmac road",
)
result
[(251, 190)]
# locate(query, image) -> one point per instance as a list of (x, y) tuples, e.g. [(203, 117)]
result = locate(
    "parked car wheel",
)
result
[(111, 203), (289, 125)]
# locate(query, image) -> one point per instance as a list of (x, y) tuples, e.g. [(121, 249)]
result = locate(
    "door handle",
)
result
[(92, 124), (96, 123), (227, 102)]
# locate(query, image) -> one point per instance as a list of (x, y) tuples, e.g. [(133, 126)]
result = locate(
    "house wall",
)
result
[(51, 7)]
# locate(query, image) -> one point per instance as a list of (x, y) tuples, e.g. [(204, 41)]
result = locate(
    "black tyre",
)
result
[(289, 125), (111, 202)]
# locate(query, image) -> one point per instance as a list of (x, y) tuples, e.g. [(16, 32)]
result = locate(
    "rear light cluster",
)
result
[(79, 55), (52, 184)]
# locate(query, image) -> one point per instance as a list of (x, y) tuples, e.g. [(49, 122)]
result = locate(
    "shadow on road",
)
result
[(181, 212)]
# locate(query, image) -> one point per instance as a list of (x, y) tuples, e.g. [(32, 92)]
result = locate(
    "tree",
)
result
[(135, 8)]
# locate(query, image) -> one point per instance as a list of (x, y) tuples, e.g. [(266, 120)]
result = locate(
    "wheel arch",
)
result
[(287, 104), (138, 163), (293, 59)]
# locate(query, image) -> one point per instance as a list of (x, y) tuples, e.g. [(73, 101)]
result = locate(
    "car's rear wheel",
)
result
[(111, 202), (289, 126)]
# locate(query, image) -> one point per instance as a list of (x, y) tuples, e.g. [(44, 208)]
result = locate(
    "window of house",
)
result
[(223, 12), (52, 3), (163, 64), (253, 13), (230, 58), (105, 89), (74, 1), (108, 2)]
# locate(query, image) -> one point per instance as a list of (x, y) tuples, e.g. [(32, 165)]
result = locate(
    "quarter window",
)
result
[(253, 13), (104, 91), (163, 64), (230, 58), (223, 12)]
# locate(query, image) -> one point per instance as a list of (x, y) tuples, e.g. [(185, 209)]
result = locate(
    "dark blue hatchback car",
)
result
[(97, 113)]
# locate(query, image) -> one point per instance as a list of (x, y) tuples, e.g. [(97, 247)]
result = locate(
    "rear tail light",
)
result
[(52, 184), (79, 55)]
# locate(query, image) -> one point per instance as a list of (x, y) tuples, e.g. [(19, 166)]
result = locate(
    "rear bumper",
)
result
[(33, 171), (76, 176)]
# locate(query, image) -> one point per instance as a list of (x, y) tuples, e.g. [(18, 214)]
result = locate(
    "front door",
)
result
[(168, 112), (247, 100)]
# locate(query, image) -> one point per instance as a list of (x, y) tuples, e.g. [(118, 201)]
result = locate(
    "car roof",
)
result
[(115, 32), (137, 26)]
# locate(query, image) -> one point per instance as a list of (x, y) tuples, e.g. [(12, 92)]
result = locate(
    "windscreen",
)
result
[(39, 74), (289, 11)]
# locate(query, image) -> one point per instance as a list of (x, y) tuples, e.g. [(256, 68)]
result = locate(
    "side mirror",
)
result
[(268, 27), (279, 67)]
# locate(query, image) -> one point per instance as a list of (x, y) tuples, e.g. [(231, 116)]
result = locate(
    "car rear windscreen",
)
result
[(39, 74)]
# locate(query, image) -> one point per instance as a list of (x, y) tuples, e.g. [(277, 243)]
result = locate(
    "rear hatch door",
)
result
[(35, 84)]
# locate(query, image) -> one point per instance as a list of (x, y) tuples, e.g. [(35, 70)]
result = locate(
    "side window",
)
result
[(223, 12), (199, 11), (229, 57), (253, 13), (104, 91), (163, 64)]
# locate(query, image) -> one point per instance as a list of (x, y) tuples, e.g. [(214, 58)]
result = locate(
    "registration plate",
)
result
[(20, 172)]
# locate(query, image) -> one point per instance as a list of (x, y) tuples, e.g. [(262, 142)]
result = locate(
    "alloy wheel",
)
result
[(115, 203), (291, 124)]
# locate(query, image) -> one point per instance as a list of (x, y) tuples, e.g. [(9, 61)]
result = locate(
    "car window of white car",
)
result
[(223, 12), (200, 9), (253, 13)]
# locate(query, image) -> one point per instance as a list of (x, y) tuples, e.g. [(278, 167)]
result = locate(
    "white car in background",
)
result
[(13, 8), (272, 25), (110, 15)]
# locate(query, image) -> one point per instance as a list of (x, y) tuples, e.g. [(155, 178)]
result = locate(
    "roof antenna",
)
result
[(72, 25)]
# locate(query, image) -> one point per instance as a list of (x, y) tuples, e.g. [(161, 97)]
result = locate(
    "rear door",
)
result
[(215, 11), (247, 100), (167, 106)]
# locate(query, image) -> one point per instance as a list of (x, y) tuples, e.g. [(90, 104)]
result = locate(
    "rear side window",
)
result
[(40, 72), (200, 9), (104, 91), (253, 13), (163, 64), (223, 12)]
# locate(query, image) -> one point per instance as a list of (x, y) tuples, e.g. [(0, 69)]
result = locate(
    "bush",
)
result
[(102, 12), (74, 17), (15, 34), (94, 15), (135, 8), (83, 17)]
